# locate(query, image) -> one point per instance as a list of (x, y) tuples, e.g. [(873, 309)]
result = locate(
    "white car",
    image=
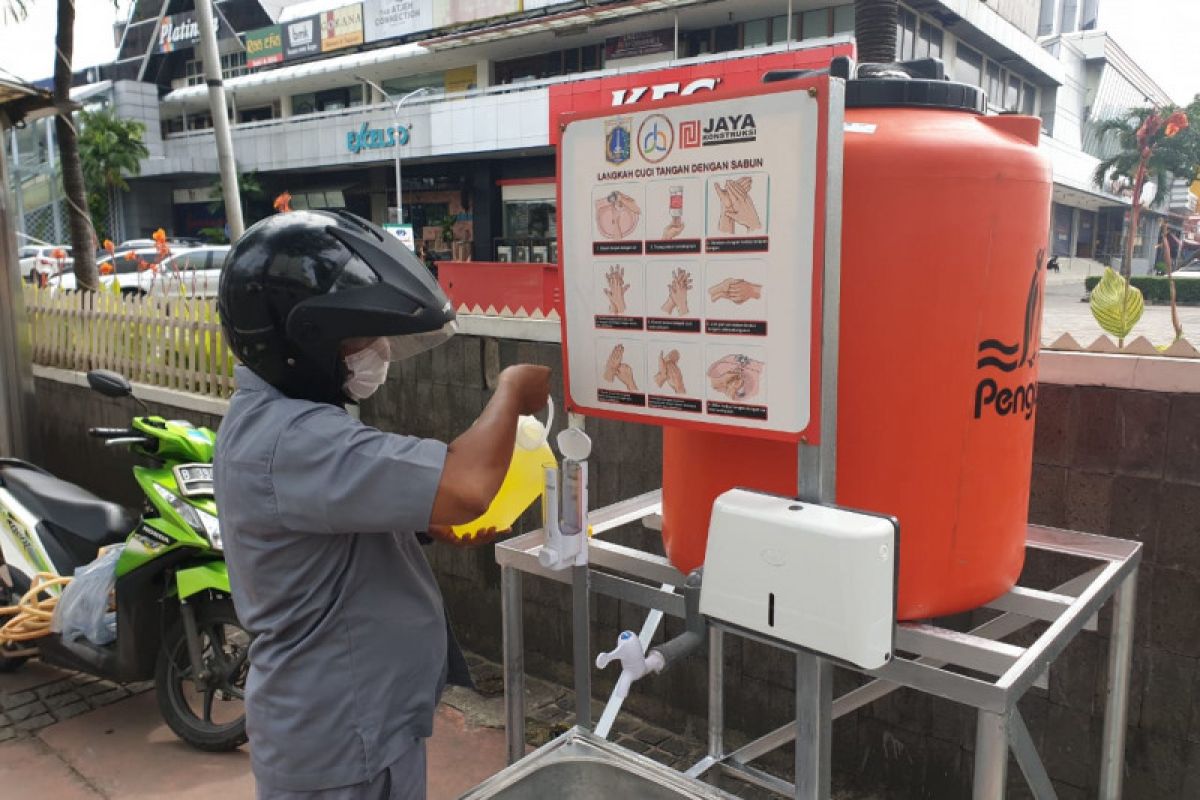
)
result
[(192, 273), (41, 258), (123, 270), (1191, 271)]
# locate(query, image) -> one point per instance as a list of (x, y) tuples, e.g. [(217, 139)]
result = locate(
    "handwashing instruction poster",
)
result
[(688, 257)]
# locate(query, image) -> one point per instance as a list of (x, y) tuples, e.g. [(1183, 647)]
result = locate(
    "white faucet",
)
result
[(634, 664)]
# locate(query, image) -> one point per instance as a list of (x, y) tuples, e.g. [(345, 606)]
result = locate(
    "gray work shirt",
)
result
[(317, 514)]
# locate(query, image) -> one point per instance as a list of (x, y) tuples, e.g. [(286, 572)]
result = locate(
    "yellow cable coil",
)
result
[(32, 613)]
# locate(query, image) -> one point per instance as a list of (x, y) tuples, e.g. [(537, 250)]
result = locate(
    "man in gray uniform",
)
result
[(321, 513)]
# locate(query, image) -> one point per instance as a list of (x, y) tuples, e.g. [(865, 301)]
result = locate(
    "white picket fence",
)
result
[(175, 343)]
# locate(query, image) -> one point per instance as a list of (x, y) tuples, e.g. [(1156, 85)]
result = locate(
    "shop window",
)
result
[(1012, 94), (530, 219), (1067, 21), (779, 28), (304, 103), (1029, 100), (232, 65), (906, 35), (816, 24), (402, 86), (929, 40), (549, 65), (199, 122), (1046, 18), (843, 19), (725, 38), (755, 34), (259, 114), (995, 84), (968, 65), (1088, 19)]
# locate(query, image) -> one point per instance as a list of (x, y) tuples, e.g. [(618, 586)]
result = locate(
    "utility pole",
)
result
[(220, 117), (400, 133)]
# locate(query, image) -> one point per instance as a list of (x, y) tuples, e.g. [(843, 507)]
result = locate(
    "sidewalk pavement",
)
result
[(122, 750), (72, 737)]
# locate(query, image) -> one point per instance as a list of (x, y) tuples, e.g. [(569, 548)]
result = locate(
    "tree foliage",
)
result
[(1177, 156), (111, 148)]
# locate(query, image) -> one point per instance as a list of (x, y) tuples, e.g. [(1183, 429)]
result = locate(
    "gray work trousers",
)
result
[(403, 780)]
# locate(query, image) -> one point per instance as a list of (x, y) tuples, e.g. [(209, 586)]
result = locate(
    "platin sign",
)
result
[(390, 19), (264, 46), (641, 43), (342, 27), (182, 32), (691, 274), (301, 37)]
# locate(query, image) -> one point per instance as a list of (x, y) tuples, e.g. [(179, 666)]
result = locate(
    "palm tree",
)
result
[(83, 240), (875, 30), (110, 148), (1170, 155), (249, 187)]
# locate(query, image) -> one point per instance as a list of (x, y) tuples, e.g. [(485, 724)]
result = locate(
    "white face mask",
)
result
[(367, 369)]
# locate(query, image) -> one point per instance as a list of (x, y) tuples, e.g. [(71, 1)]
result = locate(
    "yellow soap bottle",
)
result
[(523, 484)]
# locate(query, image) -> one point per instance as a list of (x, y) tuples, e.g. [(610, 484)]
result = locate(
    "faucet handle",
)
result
[(628, 652)]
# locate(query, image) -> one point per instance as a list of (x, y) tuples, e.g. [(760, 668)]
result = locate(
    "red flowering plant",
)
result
[(1157, 146), (283, 203)]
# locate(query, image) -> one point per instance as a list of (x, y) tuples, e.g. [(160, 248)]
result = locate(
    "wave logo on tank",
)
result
[(1013, 400)]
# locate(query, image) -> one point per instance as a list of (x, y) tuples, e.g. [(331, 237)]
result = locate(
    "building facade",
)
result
[(306, 86)]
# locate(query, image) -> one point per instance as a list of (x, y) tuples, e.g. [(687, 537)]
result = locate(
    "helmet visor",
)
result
[(409, 345)]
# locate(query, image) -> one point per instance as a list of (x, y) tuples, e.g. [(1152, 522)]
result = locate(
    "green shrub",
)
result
[(1157, 291)]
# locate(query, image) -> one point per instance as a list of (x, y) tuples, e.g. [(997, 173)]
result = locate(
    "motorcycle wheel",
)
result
[(212, 716), (9, 597)]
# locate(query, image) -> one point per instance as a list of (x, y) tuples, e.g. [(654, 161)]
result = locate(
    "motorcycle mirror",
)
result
[(109, 384)]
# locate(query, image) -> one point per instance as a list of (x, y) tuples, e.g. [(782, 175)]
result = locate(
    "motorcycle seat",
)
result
[(68, 506)]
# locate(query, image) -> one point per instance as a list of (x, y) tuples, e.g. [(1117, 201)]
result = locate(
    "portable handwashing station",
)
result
[(834, 317)]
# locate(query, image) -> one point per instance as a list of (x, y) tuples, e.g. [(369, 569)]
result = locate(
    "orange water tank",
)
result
[(944, 229)]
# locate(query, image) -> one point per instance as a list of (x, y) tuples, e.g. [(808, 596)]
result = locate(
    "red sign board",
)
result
[(638, 90)]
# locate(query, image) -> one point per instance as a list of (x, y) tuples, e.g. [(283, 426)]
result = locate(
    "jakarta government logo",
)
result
[(656, 137), (618, 134)]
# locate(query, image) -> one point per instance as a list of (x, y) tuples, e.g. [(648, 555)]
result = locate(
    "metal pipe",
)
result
[(513, 637), (716, 693), (581, 623), (814, 727), (1116, 707), (220, 116), (991, 756)]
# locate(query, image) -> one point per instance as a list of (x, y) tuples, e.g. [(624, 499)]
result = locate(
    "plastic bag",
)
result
[(82, 608)]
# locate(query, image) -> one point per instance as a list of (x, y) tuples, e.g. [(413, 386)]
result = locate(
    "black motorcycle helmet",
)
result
[(297, 284)]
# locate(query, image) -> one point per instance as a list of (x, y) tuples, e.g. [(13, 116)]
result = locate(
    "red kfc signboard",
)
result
[(645, 88)]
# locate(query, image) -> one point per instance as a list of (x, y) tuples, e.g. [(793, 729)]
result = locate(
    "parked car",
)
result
[(123, 270), (41, 258), (194, 273), (1191, 271)]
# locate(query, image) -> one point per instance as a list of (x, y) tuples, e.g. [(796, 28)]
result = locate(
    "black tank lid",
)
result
[(911, 84)]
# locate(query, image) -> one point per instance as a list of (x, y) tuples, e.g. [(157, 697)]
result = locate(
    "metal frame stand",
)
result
[(930, 659)]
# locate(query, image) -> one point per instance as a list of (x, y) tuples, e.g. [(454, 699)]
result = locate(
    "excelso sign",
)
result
[(692, 245), (368, 138)]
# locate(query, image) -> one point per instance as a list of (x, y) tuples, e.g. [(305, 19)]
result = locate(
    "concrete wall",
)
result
[(1119, 462)]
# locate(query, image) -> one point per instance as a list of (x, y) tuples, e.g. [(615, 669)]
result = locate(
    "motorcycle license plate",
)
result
[(194, 479)]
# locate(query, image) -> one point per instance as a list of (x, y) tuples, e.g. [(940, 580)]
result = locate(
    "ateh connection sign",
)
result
[(692, 250)]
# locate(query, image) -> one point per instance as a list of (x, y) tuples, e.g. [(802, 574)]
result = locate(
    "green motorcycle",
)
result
[(175, 620)]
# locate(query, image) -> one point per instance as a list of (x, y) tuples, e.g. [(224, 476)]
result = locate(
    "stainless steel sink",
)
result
[(581, 766)]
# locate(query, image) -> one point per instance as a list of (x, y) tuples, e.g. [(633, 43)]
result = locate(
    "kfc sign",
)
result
[(643, 89), (629, 97)]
